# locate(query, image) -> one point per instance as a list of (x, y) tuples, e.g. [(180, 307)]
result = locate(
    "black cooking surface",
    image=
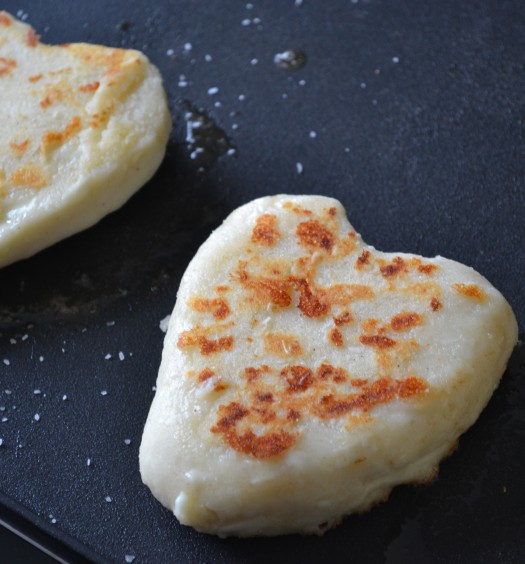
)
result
[(411, 113)]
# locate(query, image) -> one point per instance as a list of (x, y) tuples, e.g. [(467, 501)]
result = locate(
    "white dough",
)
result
[(83, 128), (305, 374)]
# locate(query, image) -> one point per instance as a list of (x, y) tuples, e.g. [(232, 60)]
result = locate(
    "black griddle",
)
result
[(411, 113)]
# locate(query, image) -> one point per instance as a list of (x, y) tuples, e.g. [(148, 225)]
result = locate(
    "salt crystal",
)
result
[(299, 168), (298, 3), (254, 61), (89, 462), (104, 393), (246, 22), (4, 419), (41, 358), (36, 417), (129, 558), (249, 6), (12, 341), (188, 46), (235, 126), (25, 337), (170, 52), (64, 397), (108, 498), (110, 323), (208, 58), (242, 97), (127, 441), (121, 355), (164, 322), (312, 135), (7, 362), (153, 388), (363, 85), (395, 60), (256, 20), (37, 392), (213, 90), (108, 356), (1, 442), (302, 82)]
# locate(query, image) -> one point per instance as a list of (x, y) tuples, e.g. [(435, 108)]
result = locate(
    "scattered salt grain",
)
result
[(36, 417), (121, 355), (153, 388), (235, 126), (129, 558), (213, 90), (7, 362), (37, 392), (242, 97), (89, 462), (249, 6), (1, 441), (64, 397), (41, 358), (188, 46), (246, 22), (302, 82), (208, 58), (104, 393), (299, 167), (4, 419), (12, 341), (170, 52), (164, 323), (231, 152), (108, 498), (363, 85), (127, 441), (108, 356), (25, 337), (217, 104), (312, 134), (395, 60), (254, 61), (110, 323)]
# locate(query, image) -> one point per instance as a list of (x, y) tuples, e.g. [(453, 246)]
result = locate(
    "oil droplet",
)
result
[(290, 60), (205, 139)]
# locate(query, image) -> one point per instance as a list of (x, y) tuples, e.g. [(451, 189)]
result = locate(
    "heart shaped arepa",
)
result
[(83, 128), (305, 374)]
